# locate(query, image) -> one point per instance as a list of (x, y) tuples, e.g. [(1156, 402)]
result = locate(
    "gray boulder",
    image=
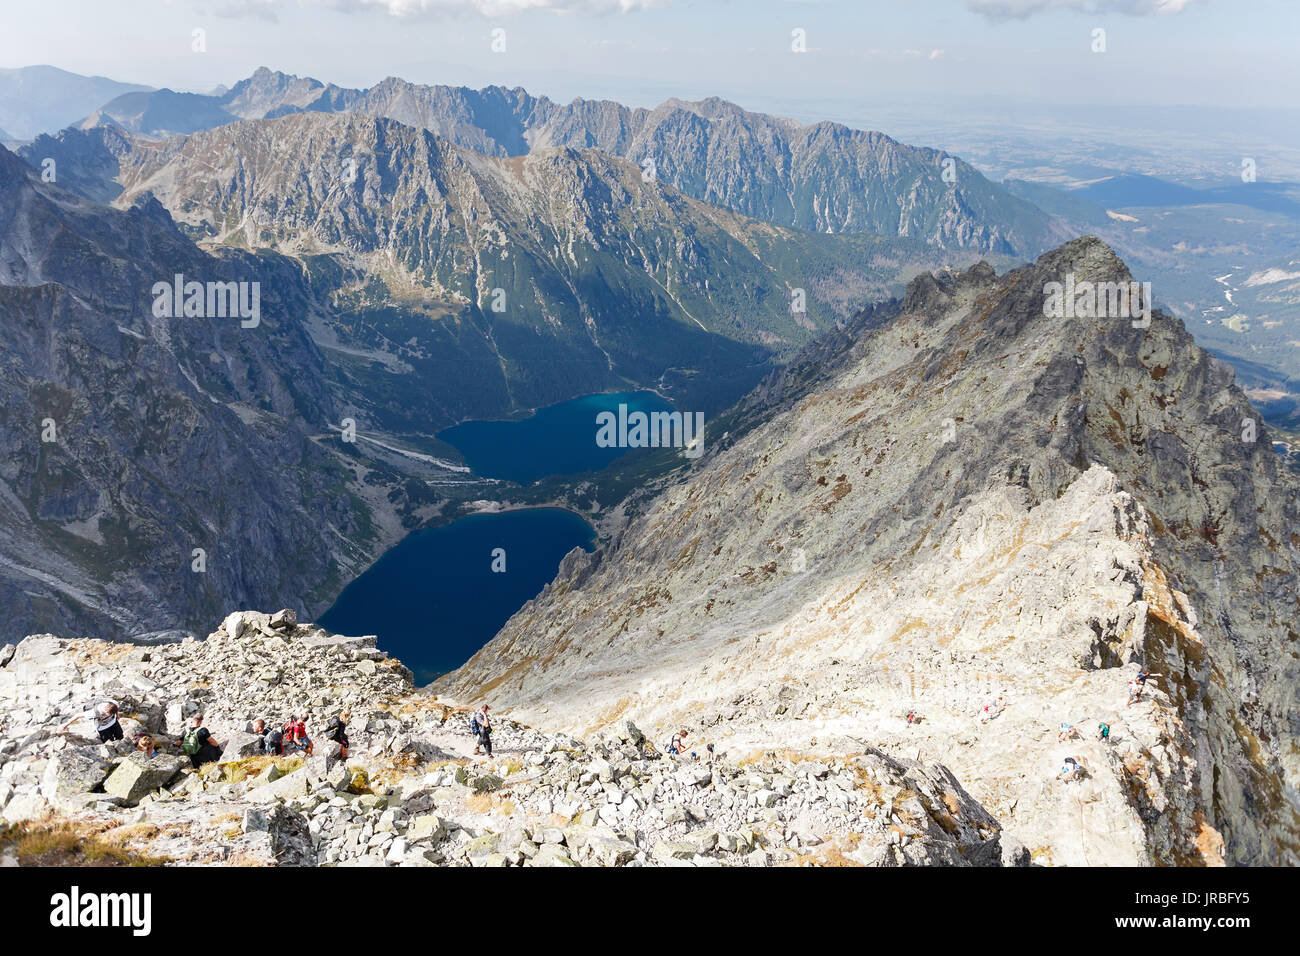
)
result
[(137, 776), (71, 773), (284, 619), (240, 746), (288, 787), (291, 843)]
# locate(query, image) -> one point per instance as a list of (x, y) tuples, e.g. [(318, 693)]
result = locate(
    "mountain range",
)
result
[(823, 177)]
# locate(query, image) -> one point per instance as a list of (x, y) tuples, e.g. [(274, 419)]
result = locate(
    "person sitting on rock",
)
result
[(146, 745), (295, 736), (104, 716), (337, 731), (1070, 771), (198, 744), (1068, 732)]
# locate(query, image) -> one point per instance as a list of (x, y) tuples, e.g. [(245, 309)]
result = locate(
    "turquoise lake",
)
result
[(556, 440)]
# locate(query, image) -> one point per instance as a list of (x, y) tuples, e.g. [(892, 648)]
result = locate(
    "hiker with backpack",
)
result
[(677, 746), (272, 742), (991, 710), (104, 715), (1103, 732), (337, 731), (197, 743), (295, 735), (480, 724)]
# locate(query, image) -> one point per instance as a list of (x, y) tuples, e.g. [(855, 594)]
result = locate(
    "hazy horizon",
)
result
[(1194, 54)]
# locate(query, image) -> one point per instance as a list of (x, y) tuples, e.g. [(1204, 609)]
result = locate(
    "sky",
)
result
[(1222, 53)]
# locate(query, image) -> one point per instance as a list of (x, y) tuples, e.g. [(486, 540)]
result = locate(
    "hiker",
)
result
[(1070, 771), (272, 738), (1144, 675), (198, 744), (481, 724), (337, 731), (145, 744), (913, 718), (1138, 684), (295, 736), (678, 745), (1067, 732), (1134, 693), (104, 716), (1103, 732), (991, 710)]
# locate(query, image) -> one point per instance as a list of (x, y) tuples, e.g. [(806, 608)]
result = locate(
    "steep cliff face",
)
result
[(954, 500), (132, 439)]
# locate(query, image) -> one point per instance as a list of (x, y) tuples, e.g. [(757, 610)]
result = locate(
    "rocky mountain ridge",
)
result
[(956, 500), (822, 177)]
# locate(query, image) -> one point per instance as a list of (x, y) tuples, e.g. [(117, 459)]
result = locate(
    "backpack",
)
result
[(274, 739), (473, 724), (190, 743)]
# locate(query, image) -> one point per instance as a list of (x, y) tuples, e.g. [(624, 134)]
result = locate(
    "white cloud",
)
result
[(936, 54), (1021, 9)]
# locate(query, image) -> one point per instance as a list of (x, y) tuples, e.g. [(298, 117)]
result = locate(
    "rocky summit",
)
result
[(411, 791)]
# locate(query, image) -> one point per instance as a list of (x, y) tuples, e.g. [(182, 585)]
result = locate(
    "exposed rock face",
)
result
[(412, 793), (955, 500), (71, 773), (822, 177), (576, 242), (130, 440)]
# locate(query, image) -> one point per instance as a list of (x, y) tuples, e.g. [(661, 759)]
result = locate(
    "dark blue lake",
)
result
[(434, 599), (556, 440)]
